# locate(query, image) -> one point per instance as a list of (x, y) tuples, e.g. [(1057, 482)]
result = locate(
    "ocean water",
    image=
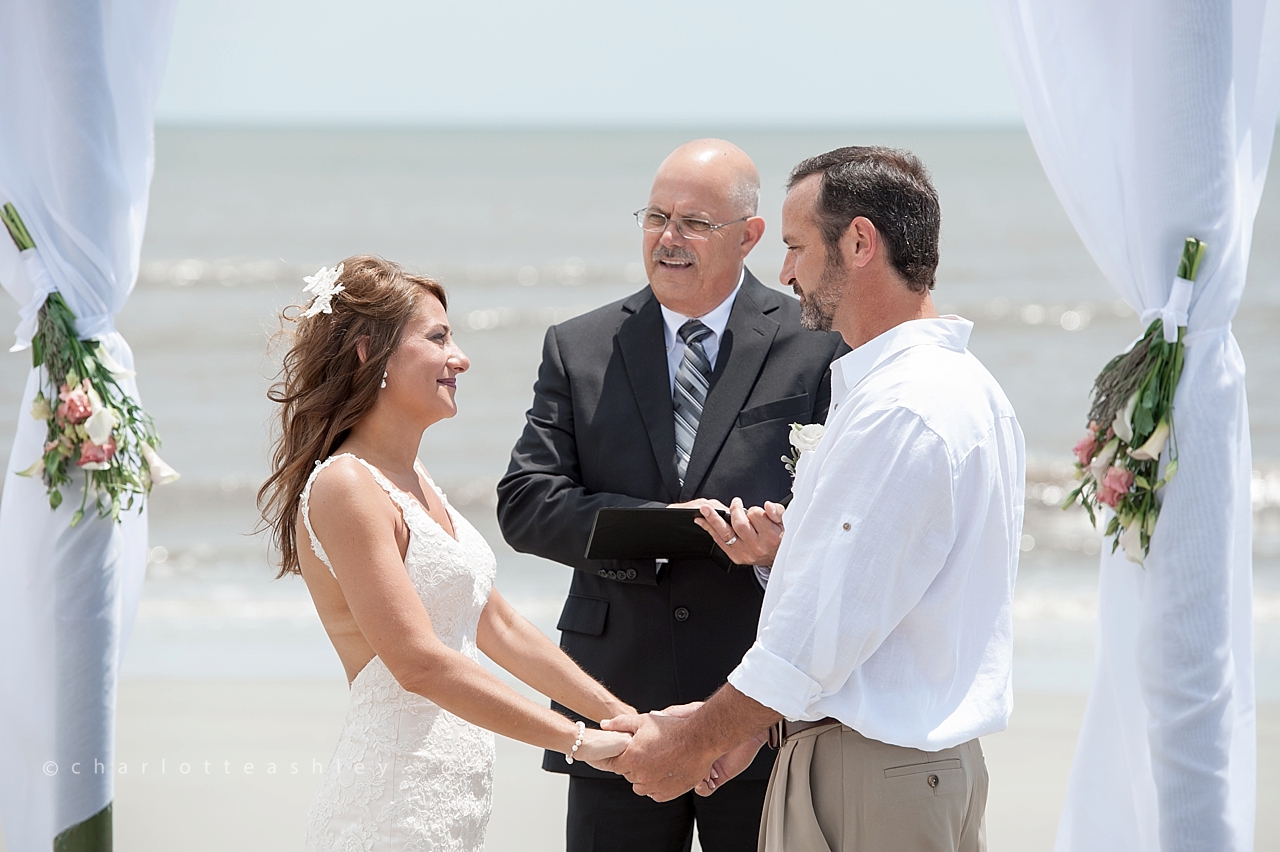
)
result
[(527, 228)]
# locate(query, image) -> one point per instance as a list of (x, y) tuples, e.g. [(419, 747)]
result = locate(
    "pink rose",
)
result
[(75, 407), (1114, 486), (95, 457), (1086, 449)]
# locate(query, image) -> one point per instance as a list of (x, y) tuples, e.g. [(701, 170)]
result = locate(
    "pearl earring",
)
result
[(384, 378)]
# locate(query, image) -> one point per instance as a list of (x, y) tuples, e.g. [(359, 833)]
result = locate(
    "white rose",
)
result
[(806, 438), (99, 425)]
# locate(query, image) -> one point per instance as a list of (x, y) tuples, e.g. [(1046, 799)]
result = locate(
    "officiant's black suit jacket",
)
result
[(601, 433)]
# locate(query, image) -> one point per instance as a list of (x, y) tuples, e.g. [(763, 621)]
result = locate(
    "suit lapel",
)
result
[(743, 350), (644, 352)]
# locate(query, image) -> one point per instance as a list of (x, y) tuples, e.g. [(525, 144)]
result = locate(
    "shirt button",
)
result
[(933, 780), (631, 573), (846, 526), (681, 614)]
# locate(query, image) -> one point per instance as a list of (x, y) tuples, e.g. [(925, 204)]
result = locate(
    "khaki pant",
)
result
[(834, 790)]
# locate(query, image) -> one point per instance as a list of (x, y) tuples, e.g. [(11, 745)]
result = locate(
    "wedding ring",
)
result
[(731, 542)]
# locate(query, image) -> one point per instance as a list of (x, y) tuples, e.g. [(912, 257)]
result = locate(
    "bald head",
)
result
[(722, 168), (691, 272)]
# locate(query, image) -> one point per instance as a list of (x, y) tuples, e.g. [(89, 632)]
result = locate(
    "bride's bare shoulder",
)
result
[(345, 487)]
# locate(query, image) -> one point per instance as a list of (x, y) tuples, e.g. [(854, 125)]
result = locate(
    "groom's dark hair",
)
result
[(891, 188)]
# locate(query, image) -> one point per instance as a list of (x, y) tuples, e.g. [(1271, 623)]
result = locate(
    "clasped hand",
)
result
[(661, 764), (751, 536)]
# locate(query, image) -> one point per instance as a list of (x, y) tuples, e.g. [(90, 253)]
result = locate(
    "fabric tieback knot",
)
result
[(1174, 313), (693, 382)]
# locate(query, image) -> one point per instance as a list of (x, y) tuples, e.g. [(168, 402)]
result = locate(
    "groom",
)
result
[(884, 643), (684, 390)]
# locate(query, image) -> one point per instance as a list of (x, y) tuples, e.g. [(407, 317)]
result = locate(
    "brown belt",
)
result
[(784, 730)]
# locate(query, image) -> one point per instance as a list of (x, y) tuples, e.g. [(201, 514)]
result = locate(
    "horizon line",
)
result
[(313, 124)]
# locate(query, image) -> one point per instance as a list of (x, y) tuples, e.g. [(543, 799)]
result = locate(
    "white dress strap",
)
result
[(305, 501), (421, 468)]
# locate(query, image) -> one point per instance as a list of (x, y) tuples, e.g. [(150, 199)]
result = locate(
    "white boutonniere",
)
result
[(324, 285), (803, 439)]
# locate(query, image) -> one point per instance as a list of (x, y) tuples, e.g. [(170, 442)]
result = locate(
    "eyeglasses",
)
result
[(691, 229)]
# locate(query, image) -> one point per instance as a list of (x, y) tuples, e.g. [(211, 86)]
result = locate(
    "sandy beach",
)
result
[(197, 757)]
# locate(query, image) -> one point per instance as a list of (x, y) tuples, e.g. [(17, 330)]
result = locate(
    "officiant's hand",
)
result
[(752, 535), (657, 763), (699, 503)]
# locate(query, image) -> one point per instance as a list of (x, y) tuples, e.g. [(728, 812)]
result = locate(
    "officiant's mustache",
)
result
[(674, 253)]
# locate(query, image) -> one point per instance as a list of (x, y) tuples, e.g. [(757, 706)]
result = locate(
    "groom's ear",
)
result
[(861, 242), (362, 348)]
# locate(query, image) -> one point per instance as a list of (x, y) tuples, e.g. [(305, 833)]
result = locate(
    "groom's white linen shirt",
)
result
[(889, 603)]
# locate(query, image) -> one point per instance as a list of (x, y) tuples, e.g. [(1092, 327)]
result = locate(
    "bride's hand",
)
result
[(600, 747)]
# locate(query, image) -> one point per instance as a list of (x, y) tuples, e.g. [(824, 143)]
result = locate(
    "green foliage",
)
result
[(17, 230)]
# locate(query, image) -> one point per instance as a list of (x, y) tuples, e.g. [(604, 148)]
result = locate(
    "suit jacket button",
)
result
[(631, 573), (602, 573), (613, 575), (681, 614)]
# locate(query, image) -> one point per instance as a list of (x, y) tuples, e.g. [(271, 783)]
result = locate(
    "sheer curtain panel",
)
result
[(1154, 121), (78, 85)]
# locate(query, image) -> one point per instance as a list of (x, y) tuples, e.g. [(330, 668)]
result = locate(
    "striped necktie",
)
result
[(693, 380)]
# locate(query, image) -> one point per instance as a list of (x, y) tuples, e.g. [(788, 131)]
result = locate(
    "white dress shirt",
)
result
[(716, 319), (889, 603)]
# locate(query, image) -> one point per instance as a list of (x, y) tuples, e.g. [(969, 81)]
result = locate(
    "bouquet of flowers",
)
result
[(92, 423), (1130, 426)]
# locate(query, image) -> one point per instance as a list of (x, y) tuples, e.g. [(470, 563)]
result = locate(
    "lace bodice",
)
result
[(407, 774)]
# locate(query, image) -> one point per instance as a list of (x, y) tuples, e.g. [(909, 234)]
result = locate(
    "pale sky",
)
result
[(587, 62)]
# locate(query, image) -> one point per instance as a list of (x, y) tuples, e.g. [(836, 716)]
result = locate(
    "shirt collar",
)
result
[(951, 332), (715, 319)]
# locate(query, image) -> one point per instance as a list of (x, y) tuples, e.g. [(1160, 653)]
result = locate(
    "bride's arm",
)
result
[(511, 641), (356, 524)]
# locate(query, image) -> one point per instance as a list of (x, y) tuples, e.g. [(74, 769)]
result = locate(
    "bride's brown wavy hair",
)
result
[(323, 388)]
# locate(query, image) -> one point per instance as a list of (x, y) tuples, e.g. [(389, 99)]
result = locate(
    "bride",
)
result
[(402, 583)]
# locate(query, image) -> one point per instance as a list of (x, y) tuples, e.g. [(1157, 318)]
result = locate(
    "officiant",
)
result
[(684, 392)]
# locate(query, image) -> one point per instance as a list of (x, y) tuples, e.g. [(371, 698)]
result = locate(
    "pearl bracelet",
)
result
[(582, 729)]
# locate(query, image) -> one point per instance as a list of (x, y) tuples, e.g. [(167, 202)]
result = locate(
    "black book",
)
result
[(650, 533)]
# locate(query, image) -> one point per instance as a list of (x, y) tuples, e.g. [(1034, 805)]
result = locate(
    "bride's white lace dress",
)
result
[(408, 775)]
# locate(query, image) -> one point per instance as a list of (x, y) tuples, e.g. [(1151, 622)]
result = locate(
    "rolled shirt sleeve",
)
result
[(875, 530)]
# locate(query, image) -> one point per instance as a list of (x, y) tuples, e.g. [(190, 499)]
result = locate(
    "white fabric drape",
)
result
[(1154, 121), (78, 85)]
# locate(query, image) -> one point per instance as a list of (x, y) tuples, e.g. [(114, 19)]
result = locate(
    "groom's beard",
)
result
[(818, 307)]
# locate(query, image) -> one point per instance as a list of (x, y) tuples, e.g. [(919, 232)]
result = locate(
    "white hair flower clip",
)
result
[(325, 285)]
